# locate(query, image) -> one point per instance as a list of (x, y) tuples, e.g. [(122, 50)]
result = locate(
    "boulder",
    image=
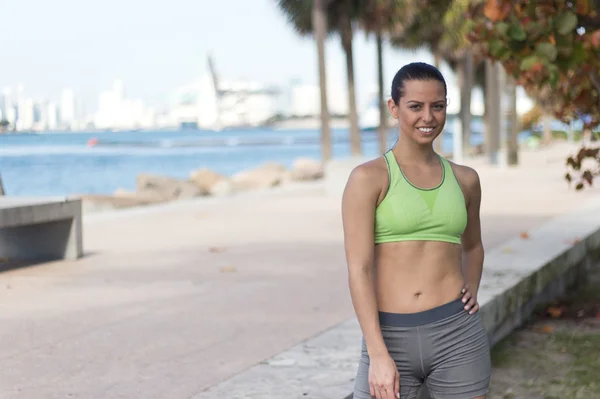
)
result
[(264, 176), (167, 188), (306, 169), (223, 187), (148, 197), (207, 180), (100, 203)]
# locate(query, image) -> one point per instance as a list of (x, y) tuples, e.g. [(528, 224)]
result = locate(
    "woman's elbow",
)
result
[(360, 270)]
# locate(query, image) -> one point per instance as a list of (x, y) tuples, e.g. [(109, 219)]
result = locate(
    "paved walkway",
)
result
[(171, 300)]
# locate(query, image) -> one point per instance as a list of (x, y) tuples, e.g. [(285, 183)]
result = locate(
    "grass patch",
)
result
[(501, 354), (557, 353), (584, 350), (549, 365)]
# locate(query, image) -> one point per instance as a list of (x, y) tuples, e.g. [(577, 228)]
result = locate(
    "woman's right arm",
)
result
[(358, 213)]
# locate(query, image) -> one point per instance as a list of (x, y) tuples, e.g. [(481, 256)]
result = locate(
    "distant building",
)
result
[(67, 109), (26, 115), (306, 100), (233, 103), (116, 112), (52, 112)]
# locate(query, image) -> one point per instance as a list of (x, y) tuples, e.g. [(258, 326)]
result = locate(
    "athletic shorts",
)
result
[(445, 348)]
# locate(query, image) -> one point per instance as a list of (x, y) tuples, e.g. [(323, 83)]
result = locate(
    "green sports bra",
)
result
[(409, 213)]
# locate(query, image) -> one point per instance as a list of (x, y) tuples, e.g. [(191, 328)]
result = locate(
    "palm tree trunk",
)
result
[(1, 187), (547, 135), (320, 28), (437, 59), (382, 130), (513, 133), (346, 36), (465, 77), (437, 144), (492, 110)]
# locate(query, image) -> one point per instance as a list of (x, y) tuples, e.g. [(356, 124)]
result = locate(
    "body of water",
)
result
[(101, 162)]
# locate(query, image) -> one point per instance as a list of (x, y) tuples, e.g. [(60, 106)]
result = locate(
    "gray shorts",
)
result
[(444, 347)]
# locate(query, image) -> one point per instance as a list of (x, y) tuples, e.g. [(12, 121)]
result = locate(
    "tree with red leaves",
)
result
[(552, 49)]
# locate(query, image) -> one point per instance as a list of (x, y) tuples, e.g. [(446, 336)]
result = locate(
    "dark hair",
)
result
[(414, 71)]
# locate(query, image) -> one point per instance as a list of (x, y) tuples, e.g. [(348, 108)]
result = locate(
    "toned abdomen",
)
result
[(414, 276)]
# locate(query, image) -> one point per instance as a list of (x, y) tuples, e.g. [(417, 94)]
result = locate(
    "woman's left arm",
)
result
[(472, 247)]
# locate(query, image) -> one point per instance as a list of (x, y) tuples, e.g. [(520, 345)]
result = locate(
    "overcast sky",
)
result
[(155, 46)]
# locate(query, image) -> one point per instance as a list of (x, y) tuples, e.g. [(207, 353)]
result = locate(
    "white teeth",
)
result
[(426, 130)]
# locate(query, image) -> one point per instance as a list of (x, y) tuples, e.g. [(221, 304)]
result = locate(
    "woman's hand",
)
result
[(469, 300), (384, 378)]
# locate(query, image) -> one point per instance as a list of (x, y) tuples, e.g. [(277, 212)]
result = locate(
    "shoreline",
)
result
[(340, 157), (323, 183)]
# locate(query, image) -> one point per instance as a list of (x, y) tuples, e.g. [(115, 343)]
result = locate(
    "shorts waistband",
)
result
[(419, 318)]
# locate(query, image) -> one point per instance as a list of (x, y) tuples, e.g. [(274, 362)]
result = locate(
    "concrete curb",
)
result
[(518, 275)]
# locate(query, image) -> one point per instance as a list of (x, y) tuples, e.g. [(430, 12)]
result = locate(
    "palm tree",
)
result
[(441, 27), (338, 17), (385, 17), (320, 23)]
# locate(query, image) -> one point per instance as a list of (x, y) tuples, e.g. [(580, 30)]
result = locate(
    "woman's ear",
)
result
[(393, 108)]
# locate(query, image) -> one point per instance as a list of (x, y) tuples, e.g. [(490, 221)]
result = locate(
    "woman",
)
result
[(413, 246)]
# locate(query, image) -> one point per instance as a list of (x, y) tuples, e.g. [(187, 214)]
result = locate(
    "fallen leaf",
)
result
[(554, 311), (524, 235), (228, 269), (546, 329), (215, 250)]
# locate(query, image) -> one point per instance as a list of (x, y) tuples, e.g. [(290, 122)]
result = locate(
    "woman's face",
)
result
[(421, 111)]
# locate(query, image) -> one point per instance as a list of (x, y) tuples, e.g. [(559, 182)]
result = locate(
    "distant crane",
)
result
[(233, 98), (218, 92)]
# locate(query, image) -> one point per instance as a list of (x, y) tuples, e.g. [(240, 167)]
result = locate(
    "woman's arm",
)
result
[(358, 213), (473, 253)]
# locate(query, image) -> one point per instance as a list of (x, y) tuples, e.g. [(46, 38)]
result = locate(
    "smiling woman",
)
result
[(413, 246)]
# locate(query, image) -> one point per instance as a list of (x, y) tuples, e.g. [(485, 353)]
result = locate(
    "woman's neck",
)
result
[(412, 153)]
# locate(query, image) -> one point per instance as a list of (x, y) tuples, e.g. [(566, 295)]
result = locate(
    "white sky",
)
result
[(155, 46)]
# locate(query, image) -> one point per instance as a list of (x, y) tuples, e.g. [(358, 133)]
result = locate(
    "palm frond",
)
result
[(299, 14)]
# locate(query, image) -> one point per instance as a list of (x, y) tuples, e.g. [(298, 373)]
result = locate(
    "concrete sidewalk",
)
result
[(173, 299)]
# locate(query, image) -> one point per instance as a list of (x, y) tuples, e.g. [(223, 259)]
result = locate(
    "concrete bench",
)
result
[(38, 229)]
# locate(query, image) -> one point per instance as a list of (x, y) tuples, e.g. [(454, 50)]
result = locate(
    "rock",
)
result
[(167, 188), (206, 180), (224, 187), (147, 196), (100, 203), (264, 176), (306, 169)]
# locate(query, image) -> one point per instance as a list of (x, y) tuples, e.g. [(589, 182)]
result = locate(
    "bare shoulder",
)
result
[(466, 176), (368, 178), (468, 179)]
